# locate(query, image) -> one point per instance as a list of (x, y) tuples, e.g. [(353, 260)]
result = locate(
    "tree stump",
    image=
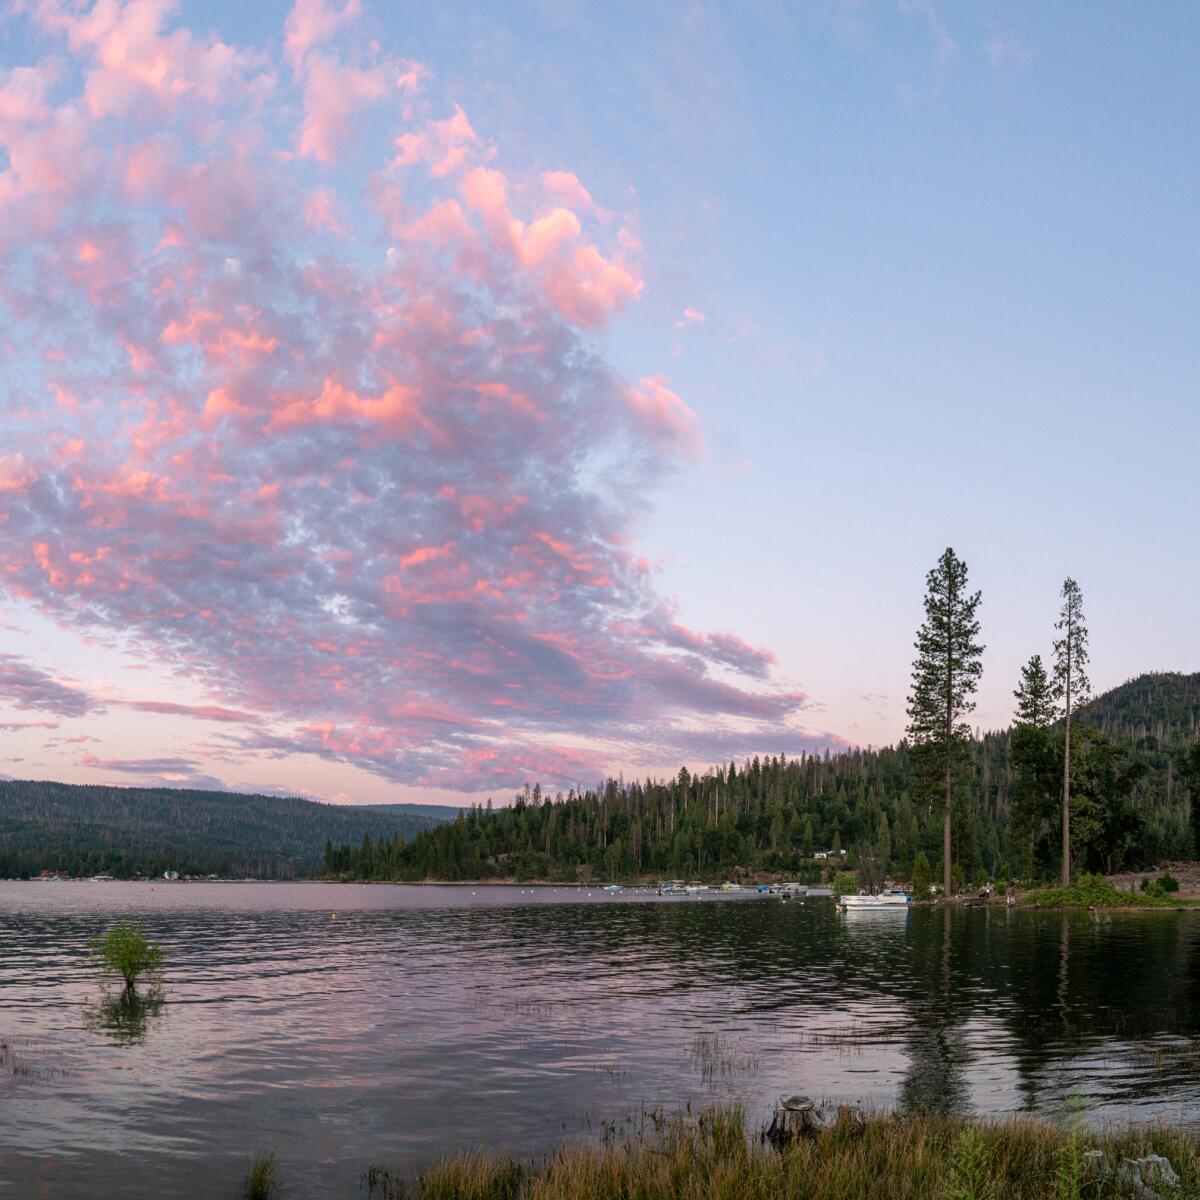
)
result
[(795, 1118)]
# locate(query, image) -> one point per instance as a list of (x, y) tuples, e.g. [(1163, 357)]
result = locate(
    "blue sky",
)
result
[(914, 275)]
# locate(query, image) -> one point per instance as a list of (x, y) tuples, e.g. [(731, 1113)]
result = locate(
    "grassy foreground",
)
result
[(717, 1158)]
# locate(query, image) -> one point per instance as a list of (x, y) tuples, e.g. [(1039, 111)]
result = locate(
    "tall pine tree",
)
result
[(945, 675), (1071, 687)]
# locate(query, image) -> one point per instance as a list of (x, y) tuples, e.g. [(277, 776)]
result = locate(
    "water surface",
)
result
[(344, 1025)]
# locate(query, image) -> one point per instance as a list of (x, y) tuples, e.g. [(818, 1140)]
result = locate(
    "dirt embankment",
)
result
[(1188, 874)]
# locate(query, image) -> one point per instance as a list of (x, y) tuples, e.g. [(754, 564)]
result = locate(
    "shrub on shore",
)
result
[(902, 1158)]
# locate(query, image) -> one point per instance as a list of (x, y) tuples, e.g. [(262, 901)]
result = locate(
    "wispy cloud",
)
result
[(1007, 53), (163, 772), (24, 685)]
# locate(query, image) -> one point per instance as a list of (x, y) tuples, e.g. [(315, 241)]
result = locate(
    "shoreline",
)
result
[(842, 1154)]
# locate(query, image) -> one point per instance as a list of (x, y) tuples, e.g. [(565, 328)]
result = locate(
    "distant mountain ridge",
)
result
[(434, 812), (85, 830)]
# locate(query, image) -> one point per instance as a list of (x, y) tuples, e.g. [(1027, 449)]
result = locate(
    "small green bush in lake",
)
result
[(127, 952), (262, 1179)]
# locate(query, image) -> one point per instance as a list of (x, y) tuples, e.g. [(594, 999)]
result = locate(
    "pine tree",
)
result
[(945, 675), (1035, 696), (1191, 776), (1070, 686), (920, 877)]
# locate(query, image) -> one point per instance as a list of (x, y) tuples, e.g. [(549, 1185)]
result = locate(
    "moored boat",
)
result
[(890, 899)]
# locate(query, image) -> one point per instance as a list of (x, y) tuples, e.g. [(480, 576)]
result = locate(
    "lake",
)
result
[(345, 1025)]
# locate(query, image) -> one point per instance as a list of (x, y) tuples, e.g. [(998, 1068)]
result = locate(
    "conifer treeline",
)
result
[(772, 814)]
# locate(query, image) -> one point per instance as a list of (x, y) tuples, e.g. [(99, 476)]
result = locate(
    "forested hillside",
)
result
[(773, 814), (124, 831)]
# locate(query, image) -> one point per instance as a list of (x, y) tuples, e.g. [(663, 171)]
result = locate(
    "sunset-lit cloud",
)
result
[(355, 470)]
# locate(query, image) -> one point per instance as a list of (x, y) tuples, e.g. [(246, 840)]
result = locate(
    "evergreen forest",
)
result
[(1133, 779)]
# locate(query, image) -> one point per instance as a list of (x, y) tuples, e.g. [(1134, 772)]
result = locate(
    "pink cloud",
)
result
[(565, 187), (583, 286), (333, 94), (200, 712), (663, 415), (690, 316), (24, 685), (130, 60), (15, 473), (312, 22), (442, 146), (321, 211), (345, 486)]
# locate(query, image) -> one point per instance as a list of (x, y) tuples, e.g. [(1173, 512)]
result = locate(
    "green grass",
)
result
[(717, 1158)]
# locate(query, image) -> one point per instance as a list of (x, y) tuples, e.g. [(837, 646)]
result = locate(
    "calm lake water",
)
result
[(424, 1019)]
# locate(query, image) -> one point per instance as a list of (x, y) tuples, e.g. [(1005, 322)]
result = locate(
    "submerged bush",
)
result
[(125, 951)]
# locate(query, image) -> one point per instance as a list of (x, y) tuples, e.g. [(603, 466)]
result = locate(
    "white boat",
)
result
[(789, 891), (672, 887), (895, 899)]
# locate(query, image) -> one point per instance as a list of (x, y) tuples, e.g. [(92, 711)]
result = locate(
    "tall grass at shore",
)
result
[(716, 1157)]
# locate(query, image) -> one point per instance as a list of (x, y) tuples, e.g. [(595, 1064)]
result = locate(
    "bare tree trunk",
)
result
[(1066, 814), (949, 770), (946, 835)]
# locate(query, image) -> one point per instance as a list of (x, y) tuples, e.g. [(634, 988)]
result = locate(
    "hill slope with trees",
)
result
[(87, 830)]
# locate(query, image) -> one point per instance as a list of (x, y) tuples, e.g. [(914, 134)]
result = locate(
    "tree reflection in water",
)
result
[(125, 1016), (935, 1081)]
